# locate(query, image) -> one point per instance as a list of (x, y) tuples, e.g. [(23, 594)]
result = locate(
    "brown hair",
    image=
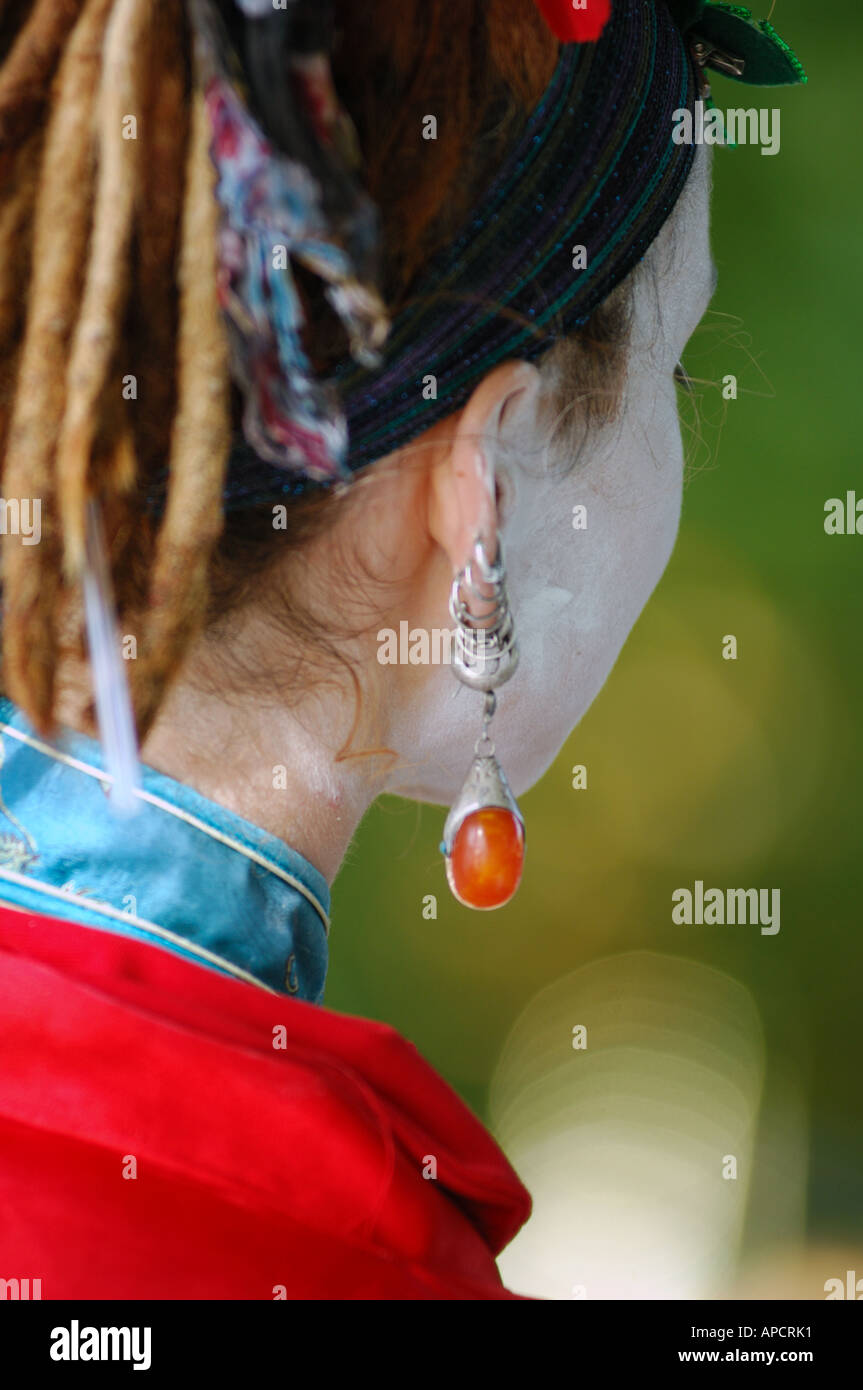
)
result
[(107, 275)]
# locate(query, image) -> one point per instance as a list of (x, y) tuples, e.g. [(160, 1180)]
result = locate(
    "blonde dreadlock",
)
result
[(95, 336), (28, 69), (200, 442), (122, 275)]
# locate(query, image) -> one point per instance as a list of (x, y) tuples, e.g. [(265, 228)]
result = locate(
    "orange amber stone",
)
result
[(485, 866)]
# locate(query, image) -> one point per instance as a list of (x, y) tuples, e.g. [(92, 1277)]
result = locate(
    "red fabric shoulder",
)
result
[(167, 1132)]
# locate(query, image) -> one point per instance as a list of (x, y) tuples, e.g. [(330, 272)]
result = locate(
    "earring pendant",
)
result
[(483, 835), (483, 840)]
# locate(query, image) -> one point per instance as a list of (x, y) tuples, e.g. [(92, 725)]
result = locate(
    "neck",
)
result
[(266, 764)]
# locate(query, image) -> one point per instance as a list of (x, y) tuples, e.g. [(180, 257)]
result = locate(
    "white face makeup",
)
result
[(576, 594)]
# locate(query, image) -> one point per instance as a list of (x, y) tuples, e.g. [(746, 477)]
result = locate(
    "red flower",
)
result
[(575, 21)]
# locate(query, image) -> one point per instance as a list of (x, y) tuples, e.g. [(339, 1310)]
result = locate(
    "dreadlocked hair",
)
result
[(113, 361), (114, 378)]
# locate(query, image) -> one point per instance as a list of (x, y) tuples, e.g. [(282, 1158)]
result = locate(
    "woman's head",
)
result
[(575, 465)]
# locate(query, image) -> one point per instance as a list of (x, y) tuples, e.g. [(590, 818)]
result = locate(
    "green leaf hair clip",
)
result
[(730, 40)]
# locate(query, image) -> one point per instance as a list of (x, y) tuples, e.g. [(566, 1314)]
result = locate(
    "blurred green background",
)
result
[(740, 773)]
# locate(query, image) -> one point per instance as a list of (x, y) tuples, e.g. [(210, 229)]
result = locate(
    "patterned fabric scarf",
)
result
[(581, 196)]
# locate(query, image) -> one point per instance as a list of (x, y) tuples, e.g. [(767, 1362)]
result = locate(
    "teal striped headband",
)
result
[(581, 196)]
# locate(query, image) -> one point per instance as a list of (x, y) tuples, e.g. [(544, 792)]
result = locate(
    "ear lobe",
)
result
[(463, 505)]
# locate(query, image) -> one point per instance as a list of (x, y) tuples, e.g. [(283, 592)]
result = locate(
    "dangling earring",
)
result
[(483, 837)]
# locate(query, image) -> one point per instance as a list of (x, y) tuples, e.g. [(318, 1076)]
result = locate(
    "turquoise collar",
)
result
[(183, 873)]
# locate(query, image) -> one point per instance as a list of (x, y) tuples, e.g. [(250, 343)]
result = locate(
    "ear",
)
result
[(462, 501)]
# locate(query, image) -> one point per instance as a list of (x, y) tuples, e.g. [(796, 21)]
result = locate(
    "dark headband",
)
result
[(595, 169), (583, 193)]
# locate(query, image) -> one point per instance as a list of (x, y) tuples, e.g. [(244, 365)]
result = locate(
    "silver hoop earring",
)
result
[(483, 837)]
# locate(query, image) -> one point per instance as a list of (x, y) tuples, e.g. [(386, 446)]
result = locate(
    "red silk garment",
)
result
[(261, 1172)]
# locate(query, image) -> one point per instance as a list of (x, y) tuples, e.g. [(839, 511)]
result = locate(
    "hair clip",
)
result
[(706, 53), (729, 39)]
